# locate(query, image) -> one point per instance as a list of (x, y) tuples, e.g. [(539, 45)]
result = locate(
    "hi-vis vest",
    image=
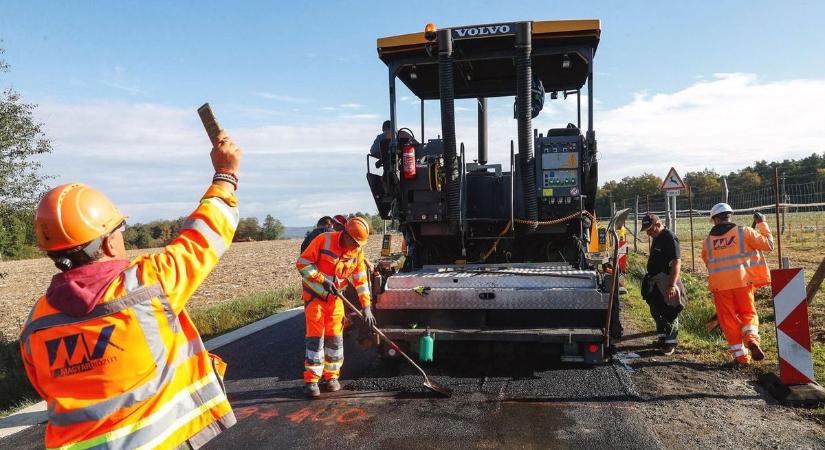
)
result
[(134, 372), (324, 260), (734, 259)]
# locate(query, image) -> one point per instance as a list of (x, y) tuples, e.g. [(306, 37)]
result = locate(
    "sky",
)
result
[(300, 88)]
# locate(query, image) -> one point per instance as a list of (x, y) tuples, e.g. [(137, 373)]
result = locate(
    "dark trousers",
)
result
[(665, 316)]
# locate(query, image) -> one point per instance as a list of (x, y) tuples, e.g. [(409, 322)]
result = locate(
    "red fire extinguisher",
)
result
[(408, 159)]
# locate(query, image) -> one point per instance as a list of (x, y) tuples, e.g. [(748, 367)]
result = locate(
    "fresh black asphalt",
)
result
[(514, 401)]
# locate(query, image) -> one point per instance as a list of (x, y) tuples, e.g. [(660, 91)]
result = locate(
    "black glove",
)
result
[(368, 317), (330, 287), (758, 217)]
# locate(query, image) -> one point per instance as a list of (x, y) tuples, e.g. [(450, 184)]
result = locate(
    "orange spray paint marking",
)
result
[(266, 415), (320, 417), (300, 415), (243, 413), (352, 415)]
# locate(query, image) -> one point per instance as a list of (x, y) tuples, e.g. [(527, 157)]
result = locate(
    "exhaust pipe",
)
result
[(446, 91), (524, 115)]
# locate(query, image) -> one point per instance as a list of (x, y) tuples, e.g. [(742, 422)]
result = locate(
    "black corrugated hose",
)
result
[(524, 77), (447, 93)]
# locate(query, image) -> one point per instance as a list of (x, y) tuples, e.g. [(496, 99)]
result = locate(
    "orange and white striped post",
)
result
[(796, 384), (622, 263), (793, 336)]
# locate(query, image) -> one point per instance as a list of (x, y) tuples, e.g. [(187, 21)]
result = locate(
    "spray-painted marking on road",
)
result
[(323, 414)]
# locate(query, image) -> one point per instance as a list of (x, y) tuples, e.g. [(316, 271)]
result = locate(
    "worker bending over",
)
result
[(331, 261), (110, 347), (735, 269)]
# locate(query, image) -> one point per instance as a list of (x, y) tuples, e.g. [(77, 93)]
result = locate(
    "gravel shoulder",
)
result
[(691, 404)]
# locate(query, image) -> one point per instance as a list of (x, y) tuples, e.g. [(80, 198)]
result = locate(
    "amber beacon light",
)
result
[(429, 32)]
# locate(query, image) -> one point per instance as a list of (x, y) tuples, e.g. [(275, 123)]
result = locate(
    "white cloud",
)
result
[(351, 105), (726, 122), (284, 98), (153, 159)]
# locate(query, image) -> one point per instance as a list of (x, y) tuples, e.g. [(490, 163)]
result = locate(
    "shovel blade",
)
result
[(439, 389)]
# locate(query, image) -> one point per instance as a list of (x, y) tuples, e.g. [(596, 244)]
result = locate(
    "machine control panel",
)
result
[(558, 166)]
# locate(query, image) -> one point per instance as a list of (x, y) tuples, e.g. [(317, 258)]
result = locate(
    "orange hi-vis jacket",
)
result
[(734, 259), (324, 259), (134, 373)]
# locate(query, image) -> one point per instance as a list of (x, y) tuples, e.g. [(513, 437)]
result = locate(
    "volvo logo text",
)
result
[(485, 30)]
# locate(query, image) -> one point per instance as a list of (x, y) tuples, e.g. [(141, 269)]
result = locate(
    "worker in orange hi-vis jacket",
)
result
[(331, 261), (736, 267), (110, 347)]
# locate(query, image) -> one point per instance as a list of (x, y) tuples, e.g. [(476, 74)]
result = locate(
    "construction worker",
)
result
[(324, 225), (662, 286), (384, 137), (110, 346), (339, 221), (331, 262), (736, 267)]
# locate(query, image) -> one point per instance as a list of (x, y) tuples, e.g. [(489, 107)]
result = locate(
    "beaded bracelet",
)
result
[(230, 178)]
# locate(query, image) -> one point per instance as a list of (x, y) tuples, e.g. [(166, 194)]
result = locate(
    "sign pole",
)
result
[(690, 216), (636, 227)]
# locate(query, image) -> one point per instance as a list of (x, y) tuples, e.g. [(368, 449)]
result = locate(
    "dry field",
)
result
[(246, 268)]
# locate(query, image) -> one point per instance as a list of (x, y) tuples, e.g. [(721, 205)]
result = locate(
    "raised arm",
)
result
[(207, 233)]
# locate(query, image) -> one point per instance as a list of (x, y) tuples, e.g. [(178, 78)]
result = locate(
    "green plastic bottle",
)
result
[(426, 344)]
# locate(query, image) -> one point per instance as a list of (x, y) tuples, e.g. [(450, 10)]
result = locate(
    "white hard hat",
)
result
[(720, 208)]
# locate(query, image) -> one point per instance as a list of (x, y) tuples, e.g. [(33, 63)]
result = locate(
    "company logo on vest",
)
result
[(70, 355), (723, 242)]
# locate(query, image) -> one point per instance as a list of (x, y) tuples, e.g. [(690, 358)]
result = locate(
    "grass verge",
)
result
[(696, 342), (213, 320)]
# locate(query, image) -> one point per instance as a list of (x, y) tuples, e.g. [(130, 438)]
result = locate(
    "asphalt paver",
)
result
[(505, 402)]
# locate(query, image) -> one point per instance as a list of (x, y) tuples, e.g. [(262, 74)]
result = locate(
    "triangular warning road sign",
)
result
[(672, 182)]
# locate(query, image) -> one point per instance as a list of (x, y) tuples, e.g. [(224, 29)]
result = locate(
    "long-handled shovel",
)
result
[(428, 383)]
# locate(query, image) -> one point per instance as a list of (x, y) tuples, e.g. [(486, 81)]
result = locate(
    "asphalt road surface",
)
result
[(498, 403)]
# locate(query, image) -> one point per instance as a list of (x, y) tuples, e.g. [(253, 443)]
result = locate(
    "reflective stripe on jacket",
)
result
[(134, 373), (734, 259), (324, 259)]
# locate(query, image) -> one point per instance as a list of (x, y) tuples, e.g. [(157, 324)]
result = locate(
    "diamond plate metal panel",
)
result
[(494, 286)]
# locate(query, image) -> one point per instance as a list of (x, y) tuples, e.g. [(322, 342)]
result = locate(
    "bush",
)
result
[(15, 388)]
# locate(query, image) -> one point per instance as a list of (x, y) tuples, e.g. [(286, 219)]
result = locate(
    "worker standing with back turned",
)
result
[(331, 261), (736, 267), (110, 347)]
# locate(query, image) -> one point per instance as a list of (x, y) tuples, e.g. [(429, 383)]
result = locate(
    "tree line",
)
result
[(709, 183), (158, 233)]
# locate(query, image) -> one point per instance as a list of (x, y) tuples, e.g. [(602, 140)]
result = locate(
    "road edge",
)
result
[(36, 414)]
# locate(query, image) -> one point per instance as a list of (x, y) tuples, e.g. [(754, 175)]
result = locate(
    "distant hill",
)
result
[(295, 232)]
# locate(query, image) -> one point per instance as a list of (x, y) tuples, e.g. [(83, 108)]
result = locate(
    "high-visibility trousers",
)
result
[(324, 339), (738, 320)]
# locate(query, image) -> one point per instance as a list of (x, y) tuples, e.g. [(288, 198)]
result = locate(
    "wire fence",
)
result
[(800, 215)]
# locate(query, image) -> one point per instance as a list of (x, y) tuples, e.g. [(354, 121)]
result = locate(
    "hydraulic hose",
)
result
[(447, 94), (524, 115)]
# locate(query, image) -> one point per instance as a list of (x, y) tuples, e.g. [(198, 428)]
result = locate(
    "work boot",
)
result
[(739, 364), (668, 348), (332, 385), (311, 390), (659, 342), (756, 351)]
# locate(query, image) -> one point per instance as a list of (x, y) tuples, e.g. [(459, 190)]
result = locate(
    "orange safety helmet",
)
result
[(358, 229), (74, 214)]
